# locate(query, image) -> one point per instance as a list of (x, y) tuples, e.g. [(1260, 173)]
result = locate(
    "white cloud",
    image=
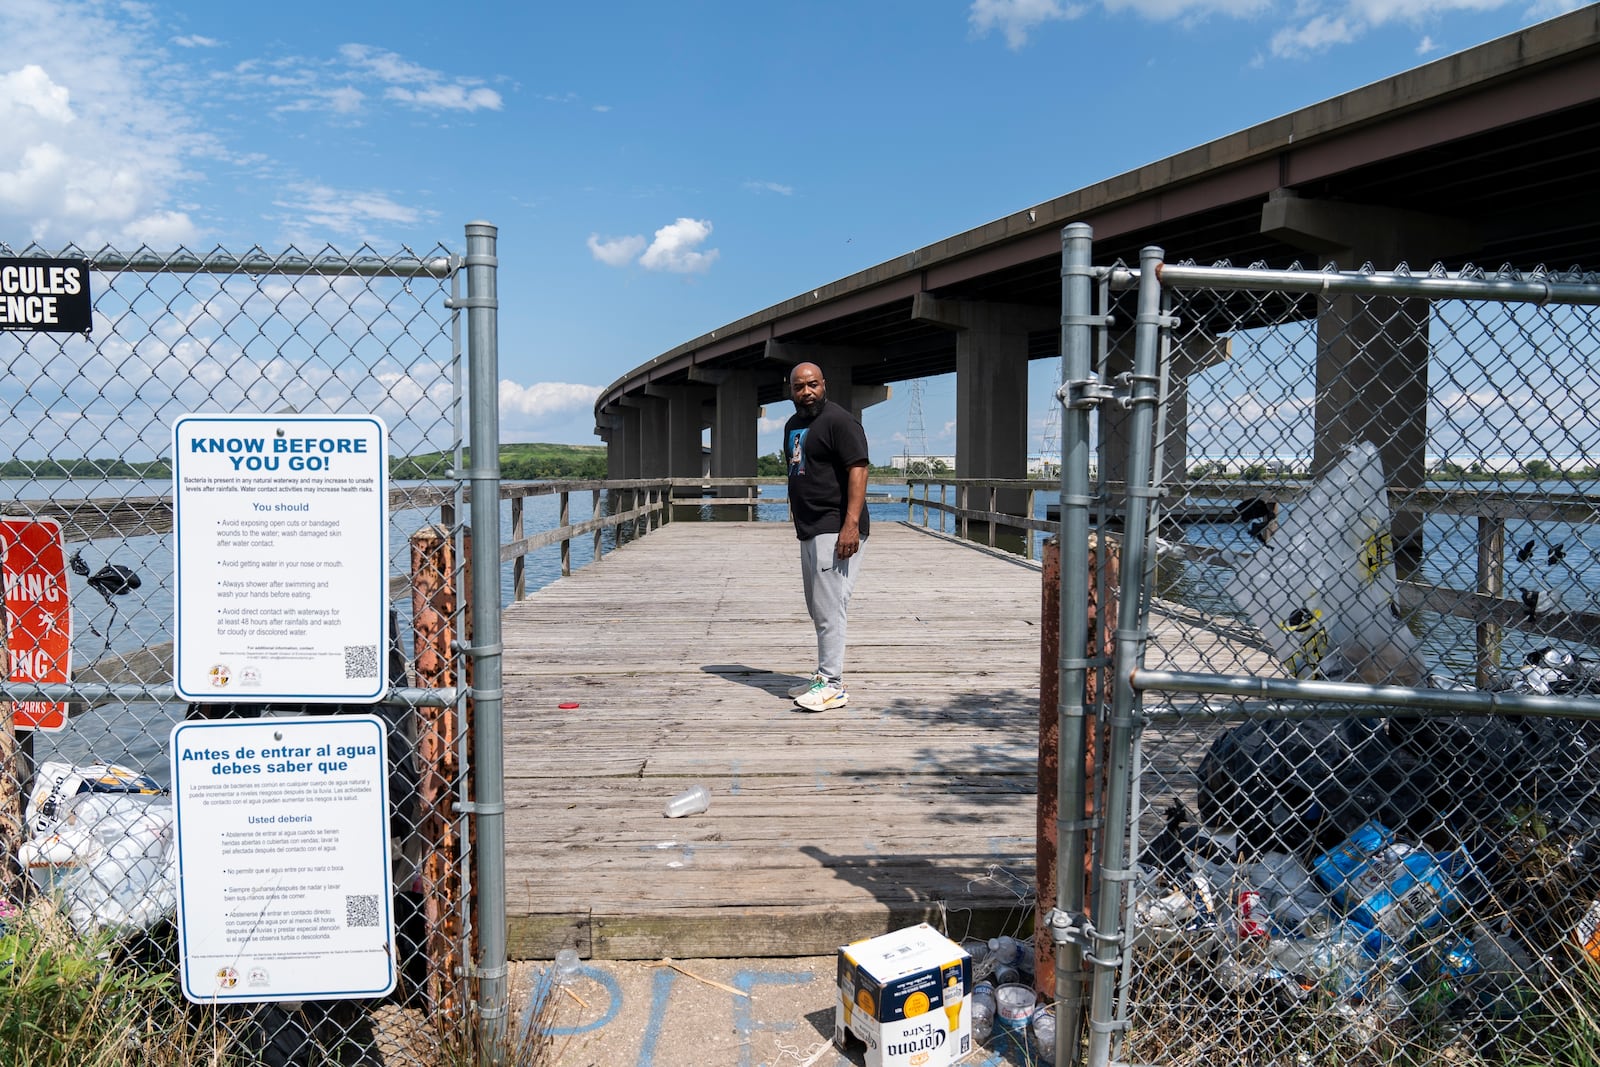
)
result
[(194, 40), (1316, 35), (770, 187), (674, 248), (543, 399), (30, 89), (1015, 18), (448, 97), (1303, 27), (97, 141), (320, 212), (1164, 10), (416, 85), (616, 251)]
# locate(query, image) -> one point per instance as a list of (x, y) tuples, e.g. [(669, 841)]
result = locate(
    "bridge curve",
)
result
[(1488, 156)]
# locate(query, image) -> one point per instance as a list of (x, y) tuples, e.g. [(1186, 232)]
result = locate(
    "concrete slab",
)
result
[(709, 1013)]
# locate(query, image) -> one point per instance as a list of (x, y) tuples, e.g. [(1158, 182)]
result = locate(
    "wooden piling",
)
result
[(436, 596), (1104, 568)]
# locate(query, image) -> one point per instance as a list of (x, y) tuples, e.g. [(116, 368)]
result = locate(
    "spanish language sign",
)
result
[(38, 617), (281, 542), (45, 295), (284, 885)]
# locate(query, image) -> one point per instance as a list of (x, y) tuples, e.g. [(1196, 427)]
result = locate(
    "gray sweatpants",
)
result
[(828, 584)]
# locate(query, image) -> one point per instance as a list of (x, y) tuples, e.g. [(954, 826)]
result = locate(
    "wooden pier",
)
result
[(914, 802)]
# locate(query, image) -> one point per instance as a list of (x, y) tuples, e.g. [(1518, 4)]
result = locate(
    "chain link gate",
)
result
[(88, 420), (1350, 788)]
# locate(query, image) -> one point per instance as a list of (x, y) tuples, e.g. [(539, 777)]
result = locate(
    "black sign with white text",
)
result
[(45, 295)]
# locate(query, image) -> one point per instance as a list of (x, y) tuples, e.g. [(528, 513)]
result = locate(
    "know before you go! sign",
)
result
[(45, 295)]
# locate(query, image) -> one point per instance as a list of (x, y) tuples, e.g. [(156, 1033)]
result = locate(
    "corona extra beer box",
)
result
[(908, 996)]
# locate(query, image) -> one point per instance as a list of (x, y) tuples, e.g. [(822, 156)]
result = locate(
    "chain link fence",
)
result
[(86, 809), (1352, 763)]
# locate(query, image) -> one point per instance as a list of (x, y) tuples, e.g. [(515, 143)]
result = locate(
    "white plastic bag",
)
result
[(54, 783), (1322, 592), (109, 858)]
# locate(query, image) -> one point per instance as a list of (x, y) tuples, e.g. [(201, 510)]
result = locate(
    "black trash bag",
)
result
[(326, 1033), (1302, 785), (1486, 764)]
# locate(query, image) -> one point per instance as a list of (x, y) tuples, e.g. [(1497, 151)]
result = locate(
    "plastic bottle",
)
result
[(691, 801), (1044, 1033), (982, 1011)]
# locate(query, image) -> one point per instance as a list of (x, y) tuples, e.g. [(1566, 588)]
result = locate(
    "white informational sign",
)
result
[(281, 543), (284, 885)]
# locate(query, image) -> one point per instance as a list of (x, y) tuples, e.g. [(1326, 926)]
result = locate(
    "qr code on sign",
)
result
[(360, 661), (361, 909)]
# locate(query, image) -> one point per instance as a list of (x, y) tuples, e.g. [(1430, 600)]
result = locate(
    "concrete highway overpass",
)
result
[(1490, 157)]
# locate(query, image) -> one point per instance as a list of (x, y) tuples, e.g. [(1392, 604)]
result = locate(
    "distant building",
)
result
[(924, 465)]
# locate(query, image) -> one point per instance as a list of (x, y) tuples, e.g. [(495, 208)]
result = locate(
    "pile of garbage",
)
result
[(100, 841), (1003, 996), (1404, 871)]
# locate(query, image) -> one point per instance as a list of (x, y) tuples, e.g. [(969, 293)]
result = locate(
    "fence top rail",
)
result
[(1539, 287), (255, 262)]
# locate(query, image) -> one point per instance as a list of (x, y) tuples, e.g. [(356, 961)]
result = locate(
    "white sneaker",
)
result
[(822, 696), (806, 686)]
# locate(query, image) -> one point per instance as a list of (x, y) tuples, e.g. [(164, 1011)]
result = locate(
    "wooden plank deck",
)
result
[(916, 802), (916, 799)]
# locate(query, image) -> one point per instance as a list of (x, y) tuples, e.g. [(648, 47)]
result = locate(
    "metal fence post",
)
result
[(1112, 869), (488, 797), (1077, 296)]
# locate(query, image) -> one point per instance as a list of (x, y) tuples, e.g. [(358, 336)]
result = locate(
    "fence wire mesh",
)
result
[(1365, 797), (87, 419)]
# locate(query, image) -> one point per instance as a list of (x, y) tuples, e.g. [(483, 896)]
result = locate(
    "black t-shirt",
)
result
[(820, 452)]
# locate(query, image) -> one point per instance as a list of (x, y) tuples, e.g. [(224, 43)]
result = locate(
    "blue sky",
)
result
[(656, 169)]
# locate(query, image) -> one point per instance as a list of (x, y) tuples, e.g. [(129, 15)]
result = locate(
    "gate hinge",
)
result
[(1085, 393), (1070, 928)]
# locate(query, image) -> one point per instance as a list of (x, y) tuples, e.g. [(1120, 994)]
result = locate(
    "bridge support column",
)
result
[(1372, 352), (991, 389), (1195, 349), (685, 420), (653, 439), (837, 363), (733, 424)]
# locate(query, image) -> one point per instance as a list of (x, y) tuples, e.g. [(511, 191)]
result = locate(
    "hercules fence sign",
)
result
[(45, 295)]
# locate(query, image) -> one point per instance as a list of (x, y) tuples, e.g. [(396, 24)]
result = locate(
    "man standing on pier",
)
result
[(827, 456)]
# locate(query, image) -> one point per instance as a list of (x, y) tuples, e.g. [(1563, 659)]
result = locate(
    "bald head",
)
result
[(807, 389)]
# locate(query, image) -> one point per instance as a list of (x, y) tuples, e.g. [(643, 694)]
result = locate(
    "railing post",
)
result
[(566, 542), (1492, 584), (994, 504), (1027, 533), (942, 504), (962, 498), (594, 513), (519, 566)]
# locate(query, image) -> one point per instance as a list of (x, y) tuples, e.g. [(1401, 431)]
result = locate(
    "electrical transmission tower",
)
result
[(916, 446), (1050, 437)]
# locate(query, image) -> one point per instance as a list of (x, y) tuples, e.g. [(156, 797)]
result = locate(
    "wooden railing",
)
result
[(977, 500)]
